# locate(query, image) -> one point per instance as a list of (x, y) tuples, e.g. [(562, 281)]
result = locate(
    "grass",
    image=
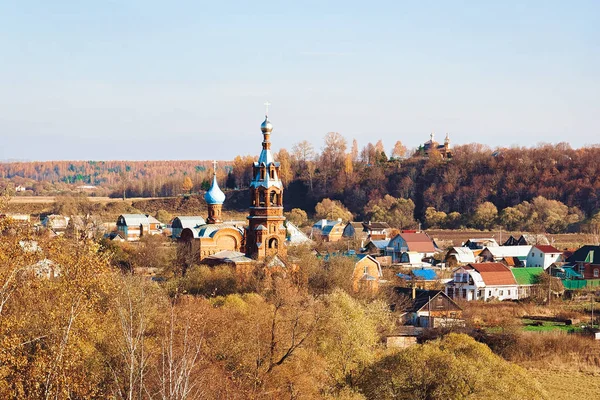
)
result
[(567, 383), (548, 326)]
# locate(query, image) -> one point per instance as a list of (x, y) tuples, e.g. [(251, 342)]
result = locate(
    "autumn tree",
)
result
[(187, 184), (399, 213), (455, 367), (485, 215), (434, 218), (399, 150), (332, 209), (297, 217)]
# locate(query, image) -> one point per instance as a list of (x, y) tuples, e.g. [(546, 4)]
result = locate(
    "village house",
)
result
[(527, 279), (181, 222), (367, 274), (586, 261), (543, 256), (133, 226), (429, 308), (483, 281), (328, 230), (459, 256), (514, 256), (421, 278), (376, 247), (410, 242), (367, 230), (480, 243)]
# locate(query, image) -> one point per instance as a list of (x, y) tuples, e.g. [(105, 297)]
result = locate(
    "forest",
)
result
[(547, 187)]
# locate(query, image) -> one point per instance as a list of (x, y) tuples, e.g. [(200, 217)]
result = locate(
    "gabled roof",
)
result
[(423, 297), (494, 273), (527, 276), (419, 242), (547, 248), (586, 254), (380, 244), (509, 251), (463, 254)]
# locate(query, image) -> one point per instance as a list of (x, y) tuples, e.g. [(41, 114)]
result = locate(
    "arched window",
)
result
[(261, 196), (273, 243), (272, 173), (273, 198), (262, 173)]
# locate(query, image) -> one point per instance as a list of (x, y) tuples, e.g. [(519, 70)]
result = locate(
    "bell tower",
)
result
[(266, 234)]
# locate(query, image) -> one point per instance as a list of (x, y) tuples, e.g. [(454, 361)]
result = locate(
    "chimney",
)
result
[(414, 291)]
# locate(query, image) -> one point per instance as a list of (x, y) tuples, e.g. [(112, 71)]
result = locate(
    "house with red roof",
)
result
[(542, 256), (483, 281), (410, 242)]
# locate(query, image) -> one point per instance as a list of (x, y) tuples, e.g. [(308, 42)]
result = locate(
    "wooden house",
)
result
[(367, 274), (328, 230), (430, 308), (134, 226)]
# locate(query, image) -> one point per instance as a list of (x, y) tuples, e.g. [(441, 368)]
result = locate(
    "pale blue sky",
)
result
[(140, 79)]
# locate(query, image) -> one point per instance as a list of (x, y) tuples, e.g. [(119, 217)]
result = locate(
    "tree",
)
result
[(349, 336), (297, 217), (399, 150), (332, 209), (187, 184), (399, 213), (455, 367), (434, 218), (163, 216), (285, 168), (485, 215)]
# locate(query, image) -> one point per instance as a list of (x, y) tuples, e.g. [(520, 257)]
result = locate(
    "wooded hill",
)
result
[(563, 180)]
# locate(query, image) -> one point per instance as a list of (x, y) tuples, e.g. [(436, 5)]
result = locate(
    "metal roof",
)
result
[(527, 276)]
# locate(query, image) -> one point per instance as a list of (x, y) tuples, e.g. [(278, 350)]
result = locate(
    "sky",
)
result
[(156, 80)]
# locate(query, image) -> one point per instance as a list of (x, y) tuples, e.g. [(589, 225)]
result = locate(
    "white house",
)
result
[(543, 256), (483, 281)]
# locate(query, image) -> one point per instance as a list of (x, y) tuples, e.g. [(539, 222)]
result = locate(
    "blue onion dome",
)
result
[(214, 194), (266, 126)]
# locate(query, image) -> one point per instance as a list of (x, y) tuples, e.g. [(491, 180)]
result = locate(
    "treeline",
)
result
[(444, 192), (136, 178)]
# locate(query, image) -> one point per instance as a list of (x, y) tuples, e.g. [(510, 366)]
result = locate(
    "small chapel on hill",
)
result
[(264, 234)]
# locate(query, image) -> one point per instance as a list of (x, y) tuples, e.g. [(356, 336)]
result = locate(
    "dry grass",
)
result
[(567, 383)]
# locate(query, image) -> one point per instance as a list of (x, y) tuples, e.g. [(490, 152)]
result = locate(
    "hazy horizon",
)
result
[(143, 80)]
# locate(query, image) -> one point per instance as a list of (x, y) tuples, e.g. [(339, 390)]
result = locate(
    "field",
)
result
[(52, 199), (566, 384)]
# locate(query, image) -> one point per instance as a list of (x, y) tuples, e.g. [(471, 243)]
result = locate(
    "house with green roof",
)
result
[(526, 279)]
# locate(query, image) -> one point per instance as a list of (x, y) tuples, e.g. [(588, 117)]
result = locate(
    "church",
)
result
[(264, 234), (431, 145)]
